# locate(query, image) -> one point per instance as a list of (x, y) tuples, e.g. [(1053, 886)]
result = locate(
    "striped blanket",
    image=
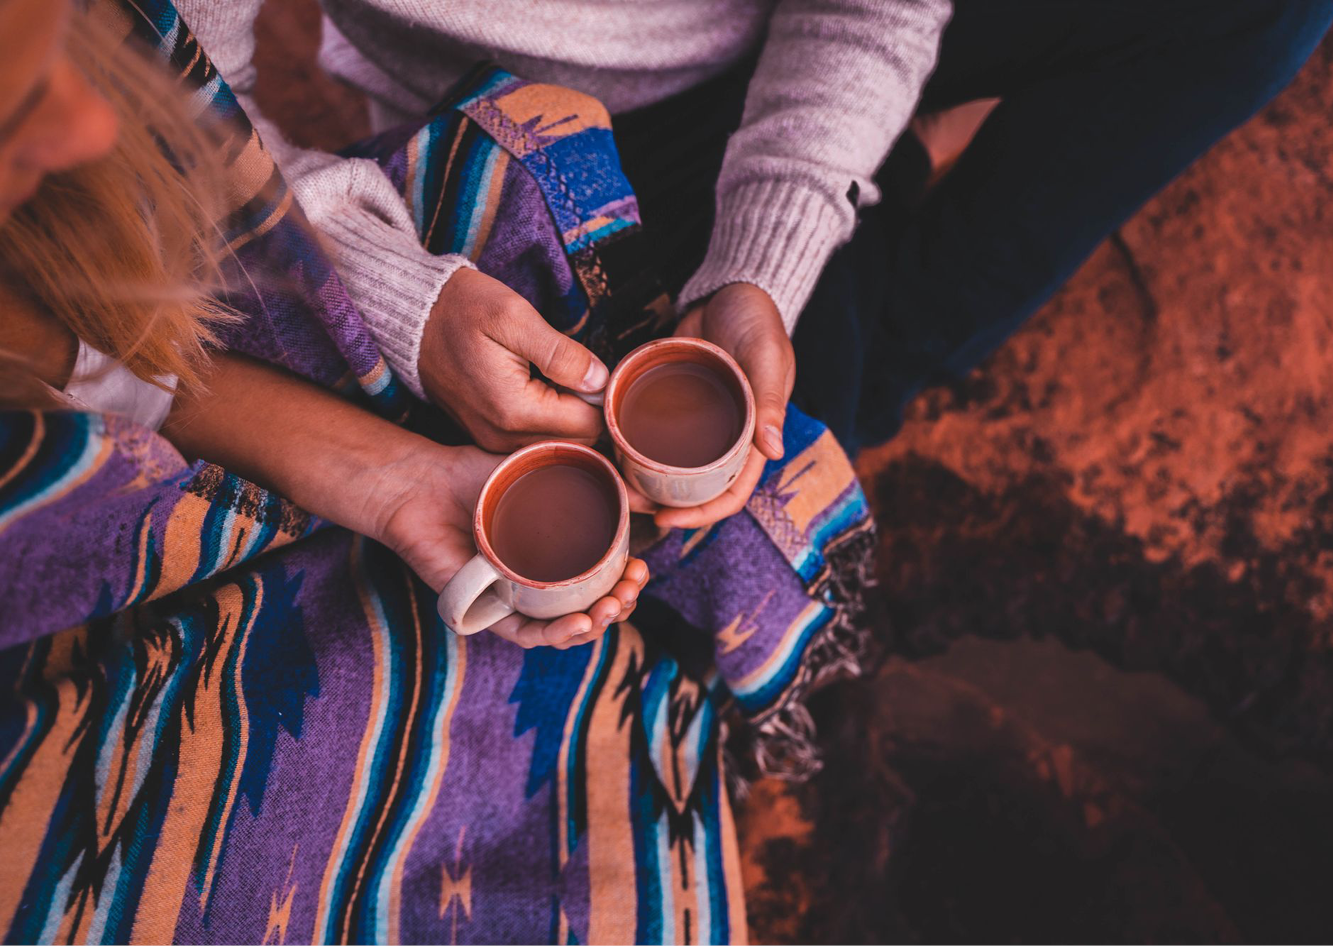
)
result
[(222, 719)]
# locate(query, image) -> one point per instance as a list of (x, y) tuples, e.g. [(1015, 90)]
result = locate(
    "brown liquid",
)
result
[(681, 414), (554, 523)]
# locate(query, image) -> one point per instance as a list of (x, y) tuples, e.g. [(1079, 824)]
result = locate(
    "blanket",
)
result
[(223, 719)]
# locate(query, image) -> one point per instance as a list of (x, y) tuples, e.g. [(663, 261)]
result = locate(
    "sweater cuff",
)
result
[(776, 234), (393, 281)]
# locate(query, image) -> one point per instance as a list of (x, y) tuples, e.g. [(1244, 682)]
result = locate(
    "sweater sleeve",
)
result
[(837, 82), (362, 218)]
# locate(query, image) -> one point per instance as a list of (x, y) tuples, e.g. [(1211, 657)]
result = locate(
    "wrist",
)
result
[(377, 475), (775, 234)]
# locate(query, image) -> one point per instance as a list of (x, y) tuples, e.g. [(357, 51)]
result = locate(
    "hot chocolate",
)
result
[(554, 523), (682, 414)]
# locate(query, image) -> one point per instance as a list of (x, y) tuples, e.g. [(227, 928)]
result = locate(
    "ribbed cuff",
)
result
[(776, 234), (393, 280)]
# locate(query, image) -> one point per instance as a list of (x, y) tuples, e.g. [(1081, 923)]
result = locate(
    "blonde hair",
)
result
[(126, 251)]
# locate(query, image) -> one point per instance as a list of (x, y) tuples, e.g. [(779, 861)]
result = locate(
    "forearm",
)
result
[(834, 87), (320, 451)]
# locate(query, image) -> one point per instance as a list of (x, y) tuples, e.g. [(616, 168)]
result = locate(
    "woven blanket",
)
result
[(222, 719)]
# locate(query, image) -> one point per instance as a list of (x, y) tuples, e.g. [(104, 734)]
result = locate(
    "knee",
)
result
[(1265, 43)]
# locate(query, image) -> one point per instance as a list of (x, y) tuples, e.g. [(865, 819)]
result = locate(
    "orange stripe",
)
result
[(613, 902), (278, 213), (412, 148), (562, 771), (142, 576), (448, 167), (181, 543), (27, 816), (492, 203), (244, 714), (200, 762)]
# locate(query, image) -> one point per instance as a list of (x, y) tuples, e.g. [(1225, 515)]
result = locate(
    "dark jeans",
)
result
[(1104, 102)]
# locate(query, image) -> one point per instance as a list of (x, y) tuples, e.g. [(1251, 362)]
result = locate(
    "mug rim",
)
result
[(685, 342), (554, 447)]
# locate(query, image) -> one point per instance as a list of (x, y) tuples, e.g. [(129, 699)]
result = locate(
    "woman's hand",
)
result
[(742, 319), (476, 353), (423, 511), (350, 466)]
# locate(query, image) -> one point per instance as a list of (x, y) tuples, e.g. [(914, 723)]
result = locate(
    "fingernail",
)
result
[(773, 438), (595, 378)]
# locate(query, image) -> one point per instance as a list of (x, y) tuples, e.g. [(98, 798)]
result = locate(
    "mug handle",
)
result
[(469, 603)]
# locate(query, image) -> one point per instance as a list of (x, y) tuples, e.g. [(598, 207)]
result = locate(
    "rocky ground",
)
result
[(1107, 565)]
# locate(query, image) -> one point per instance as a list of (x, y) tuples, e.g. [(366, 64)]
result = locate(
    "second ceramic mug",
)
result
[(486, 590), (663, 483)]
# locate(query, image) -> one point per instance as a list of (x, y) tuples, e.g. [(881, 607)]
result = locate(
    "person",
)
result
[(833, 86), (226, 719), (108, 308), (756, 135)]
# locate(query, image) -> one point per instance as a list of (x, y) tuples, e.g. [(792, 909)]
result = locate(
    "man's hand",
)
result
[(742, 319), (423, 504), (475, 361)]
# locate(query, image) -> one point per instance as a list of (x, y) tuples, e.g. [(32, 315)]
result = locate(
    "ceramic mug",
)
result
[(485, 590), (663, 483)]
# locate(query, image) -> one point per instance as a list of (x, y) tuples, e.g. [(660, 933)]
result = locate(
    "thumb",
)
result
[(768, 373), (559, 358)]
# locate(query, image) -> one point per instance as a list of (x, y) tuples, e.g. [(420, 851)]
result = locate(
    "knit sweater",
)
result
[(835, 84)]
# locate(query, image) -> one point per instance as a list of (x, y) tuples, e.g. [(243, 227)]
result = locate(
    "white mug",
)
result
[(485, 591), (663, 483)]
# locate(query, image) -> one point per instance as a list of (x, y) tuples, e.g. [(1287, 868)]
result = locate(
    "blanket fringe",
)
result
[(782, 742)]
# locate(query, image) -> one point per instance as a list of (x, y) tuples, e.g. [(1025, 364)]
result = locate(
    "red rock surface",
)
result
[(1116, 541)]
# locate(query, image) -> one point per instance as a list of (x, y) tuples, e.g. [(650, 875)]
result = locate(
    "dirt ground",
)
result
[(1107, 569)]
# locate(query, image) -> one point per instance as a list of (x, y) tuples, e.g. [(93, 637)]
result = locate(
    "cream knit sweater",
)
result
[(836, 83)]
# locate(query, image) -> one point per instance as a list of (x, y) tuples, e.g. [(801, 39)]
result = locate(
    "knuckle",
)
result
[(504, 312), (519, 418), (506, 416), (565, 358)]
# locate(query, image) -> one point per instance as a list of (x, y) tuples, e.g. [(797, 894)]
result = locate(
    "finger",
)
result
[(582, 639), (768, 366), (636, 571), (692, 323), (547, 413), (604, 611), (566, 627), (639, 503), (519, 630), (490, 438), (626, 593), (731, 502), (559, 358), (531, 633)]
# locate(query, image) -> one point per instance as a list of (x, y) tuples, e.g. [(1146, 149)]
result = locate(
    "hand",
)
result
[(742, 319), (424, 503), (476, 353), (350, 466)]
